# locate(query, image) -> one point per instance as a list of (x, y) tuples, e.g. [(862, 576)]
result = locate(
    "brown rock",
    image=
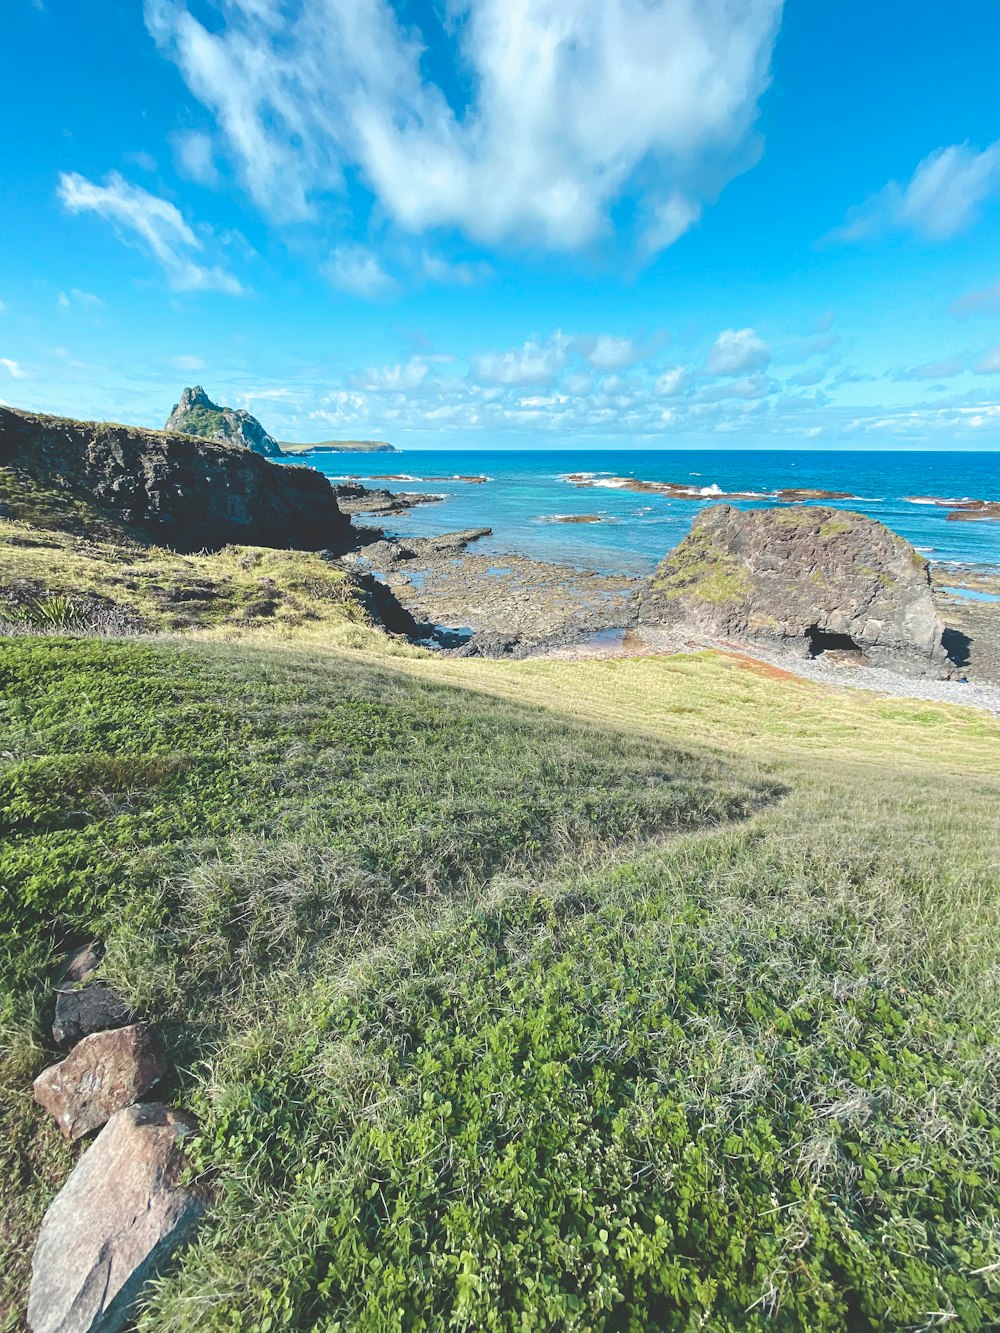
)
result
[(102, 1074), (113, 1225)]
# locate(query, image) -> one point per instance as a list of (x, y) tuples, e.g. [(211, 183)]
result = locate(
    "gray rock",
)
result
[(196, 414), (113, 1225), (103, 1073), (185, 493), (79, 964), (809, 578), (93, 1008)]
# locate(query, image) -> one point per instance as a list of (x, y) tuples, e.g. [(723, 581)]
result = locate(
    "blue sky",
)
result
[(551, 223)]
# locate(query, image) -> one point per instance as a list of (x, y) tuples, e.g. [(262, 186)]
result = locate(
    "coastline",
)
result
[(505, 604)]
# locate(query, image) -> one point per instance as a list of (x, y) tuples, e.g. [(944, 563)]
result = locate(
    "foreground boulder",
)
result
[(113, 1225), (177, 490), (102, 1074), (196, 414), (812, 579)]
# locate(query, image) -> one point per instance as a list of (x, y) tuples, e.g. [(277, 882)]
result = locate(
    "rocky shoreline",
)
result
[(507, 605)]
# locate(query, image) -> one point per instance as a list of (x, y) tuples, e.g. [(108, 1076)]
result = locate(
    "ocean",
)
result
[(526, 490)]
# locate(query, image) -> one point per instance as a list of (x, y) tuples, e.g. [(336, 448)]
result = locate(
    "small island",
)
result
[(340, 447)]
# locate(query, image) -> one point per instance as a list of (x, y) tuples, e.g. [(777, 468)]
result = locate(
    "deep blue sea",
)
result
[(527, 488)]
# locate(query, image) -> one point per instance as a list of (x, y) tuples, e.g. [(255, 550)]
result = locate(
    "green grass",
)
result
[(614, 995), (51, 579), (697, 569)]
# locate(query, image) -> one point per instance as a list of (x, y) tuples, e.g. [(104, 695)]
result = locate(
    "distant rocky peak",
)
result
[(196, 414), (196, 397)]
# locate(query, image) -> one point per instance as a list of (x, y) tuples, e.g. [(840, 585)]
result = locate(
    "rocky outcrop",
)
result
[(102, 1074), (810, 578), (196, 414), (113, 1225), (177, 490)]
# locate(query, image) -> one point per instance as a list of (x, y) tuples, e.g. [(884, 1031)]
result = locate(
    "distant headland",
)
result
[(339, 447)]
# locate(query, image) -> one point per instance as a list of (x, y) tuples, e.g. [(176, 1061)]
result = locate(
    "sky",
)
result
[(508, 223)]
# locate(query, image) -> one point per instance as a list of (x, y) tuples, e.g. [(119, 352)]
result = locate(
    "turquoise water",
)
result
[(526, 489), (973, 595)]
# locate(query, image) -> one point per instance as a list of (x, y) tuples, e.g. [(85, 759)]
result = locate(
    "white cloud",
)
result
[(12, 368), (943, 197), (462, 274), (805, 379), (533, 363), (989, 362), (354, 269), (141, 159), (578, 103), (79, 297), (2, 307), (154, 224), (671, 381), (184, 362), (944, 369), (751, 387), (671, 219), (737, 352), (195, 156), (606, 352), (398, 378), (985, 302)]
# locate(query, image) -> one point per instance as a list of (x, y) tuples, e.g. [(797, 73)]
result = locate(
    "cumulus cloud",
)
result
[(607, 352), (397, 378), (737, 352), (196, 157), (672, 381), (577, 104), (12, 368), (152, 224), (533, 363), (354, 269), (942, 198)]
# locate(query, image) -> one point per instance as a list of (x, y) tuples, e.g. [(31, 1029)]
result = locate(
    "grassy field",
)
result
[(657, 993)]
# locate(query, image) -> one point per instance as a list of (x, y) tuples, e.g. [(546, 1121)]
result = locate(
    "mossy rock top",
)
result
[(796, 576)]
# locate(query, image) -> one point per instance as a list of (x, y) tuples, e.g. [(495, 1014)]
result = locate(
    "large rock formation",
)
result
[(183, 492), (814, 579), (113, 1225), (196, 414)]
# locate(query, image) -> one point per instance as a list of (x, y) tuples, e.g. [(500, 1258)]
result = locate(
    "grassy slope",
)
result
[(237, 589), (470, 1046)]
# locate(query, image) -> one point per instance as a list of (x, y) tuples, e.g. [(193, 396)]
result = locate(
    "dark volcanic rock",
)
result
[(113, 1225), (183, 492), (493, 645), (815, 579), (92, 1008), (102, 1074), (196, 414)]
